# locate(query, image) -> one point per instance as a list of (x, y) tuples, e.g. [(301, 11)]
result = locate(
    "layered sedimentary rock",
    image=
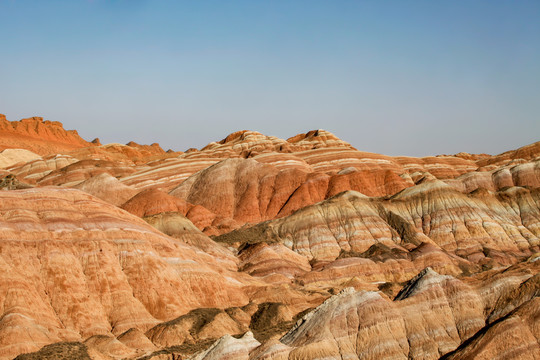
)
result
[(107, 188), (432, 316), (168, 173), (229, 348), (49, 137), (195, 327), (10, 157), (433, 212), (242, 189), (41, 137), (153, 202), (511, 329), (74, 266), (33, 171), (249, 191), (273, 262), (82, 170), (152, 148), (131, 152), (524, 153), (371, 256), (526, 175), (514, 337), (181, 228)]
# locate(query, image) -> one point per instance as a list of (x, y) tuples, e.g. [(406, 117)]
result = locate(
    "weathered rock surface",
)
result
[(229, 348), (74, 266), (433, 315), (469, 226), (33, 171), (59, 351), (181, 228), (197, 326), (248, 191), (10, 182), (514, 337), (525, 175), (242, 189), (10, 157), (107, 188), (129, 153), (82, 170), (152, 202), (430, 257), (36, 135)]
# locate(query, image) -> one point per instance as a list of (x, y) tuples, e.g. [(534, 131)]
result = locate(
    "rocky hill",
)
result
[(256, 247)]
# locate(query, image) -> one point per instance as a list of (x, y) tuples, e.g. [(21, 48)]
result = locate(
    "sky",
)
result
[(400, 77)]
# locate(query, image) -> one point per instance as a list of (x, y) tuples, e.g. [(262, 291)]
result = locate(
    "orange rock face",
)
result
[(41, 137), (130, 153), (317, 250), (74, 266), (152, 201), (49, 137)]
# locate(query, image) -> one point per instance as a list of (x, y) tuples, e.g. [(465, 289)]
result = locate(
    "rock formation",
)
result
[(107, 188), (41, 137), (10, 182), (256, 247), (10, 157), (469, 226), (74, 266), (431, 316)]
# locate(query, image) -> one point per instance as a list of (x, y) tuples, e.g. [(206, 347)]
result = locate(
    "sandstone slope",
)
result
[(36, 135), (74, 266), (318, 250)]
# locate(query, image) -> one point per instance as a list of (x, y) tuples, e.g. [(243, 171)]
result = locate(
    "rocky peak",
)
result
[(96, 141), (317, 139), (239, 135)]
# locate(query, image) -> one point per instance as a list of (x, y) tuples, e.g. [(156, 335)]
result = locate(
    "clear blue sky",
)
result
[(393, 77)]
